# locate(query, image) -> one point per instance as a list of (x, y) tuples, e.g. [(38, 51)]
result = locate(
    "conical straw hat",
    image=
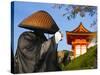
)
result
[(41, 21)]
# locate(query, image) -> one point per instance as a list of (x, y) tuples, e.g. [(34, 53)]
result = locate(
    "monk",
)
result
[(36, 53)]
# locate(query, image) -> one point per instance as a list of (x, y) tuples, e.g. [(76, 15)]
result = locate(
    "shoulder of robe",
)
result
[(26, 40), (29, 35)]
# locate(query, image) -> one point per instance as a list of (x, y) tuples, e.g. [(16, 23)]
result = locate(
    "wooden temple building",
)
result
[(79, 38)]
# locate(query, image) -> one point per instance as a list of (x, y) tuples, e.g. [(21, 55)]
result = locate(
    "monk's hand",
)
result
[(58, 36)]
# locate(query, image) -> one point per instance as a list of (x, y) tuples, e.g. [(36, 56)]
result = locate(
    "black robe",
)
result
[(35, 54)]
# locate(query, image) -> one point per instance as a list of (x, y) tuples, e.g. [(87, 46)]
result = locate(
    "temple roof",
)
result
[(79, 33), (80, 28)]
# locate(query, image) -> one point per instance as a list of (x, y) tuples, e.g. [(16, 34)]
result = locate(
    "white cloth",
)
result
[(58, 36)]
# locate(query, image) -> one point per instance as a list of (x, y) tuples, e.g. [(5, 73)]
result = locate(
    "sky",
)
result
[(24, 9)]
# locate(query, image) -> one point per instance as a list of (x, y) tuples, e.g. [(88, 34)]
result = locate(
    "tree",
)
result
[(71, 11)]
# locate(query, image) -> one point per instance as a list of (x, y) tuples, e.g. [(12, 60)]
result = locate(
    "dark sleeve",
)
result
[(48, 55), (46, 45)]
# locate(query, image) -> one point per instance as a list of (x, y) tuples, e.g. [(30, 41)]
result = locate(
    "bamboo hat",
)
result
[(41, 21)]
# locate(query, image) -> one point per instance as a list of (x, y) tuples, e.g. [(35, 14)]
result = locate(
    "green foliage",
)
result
[(86, 61)]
